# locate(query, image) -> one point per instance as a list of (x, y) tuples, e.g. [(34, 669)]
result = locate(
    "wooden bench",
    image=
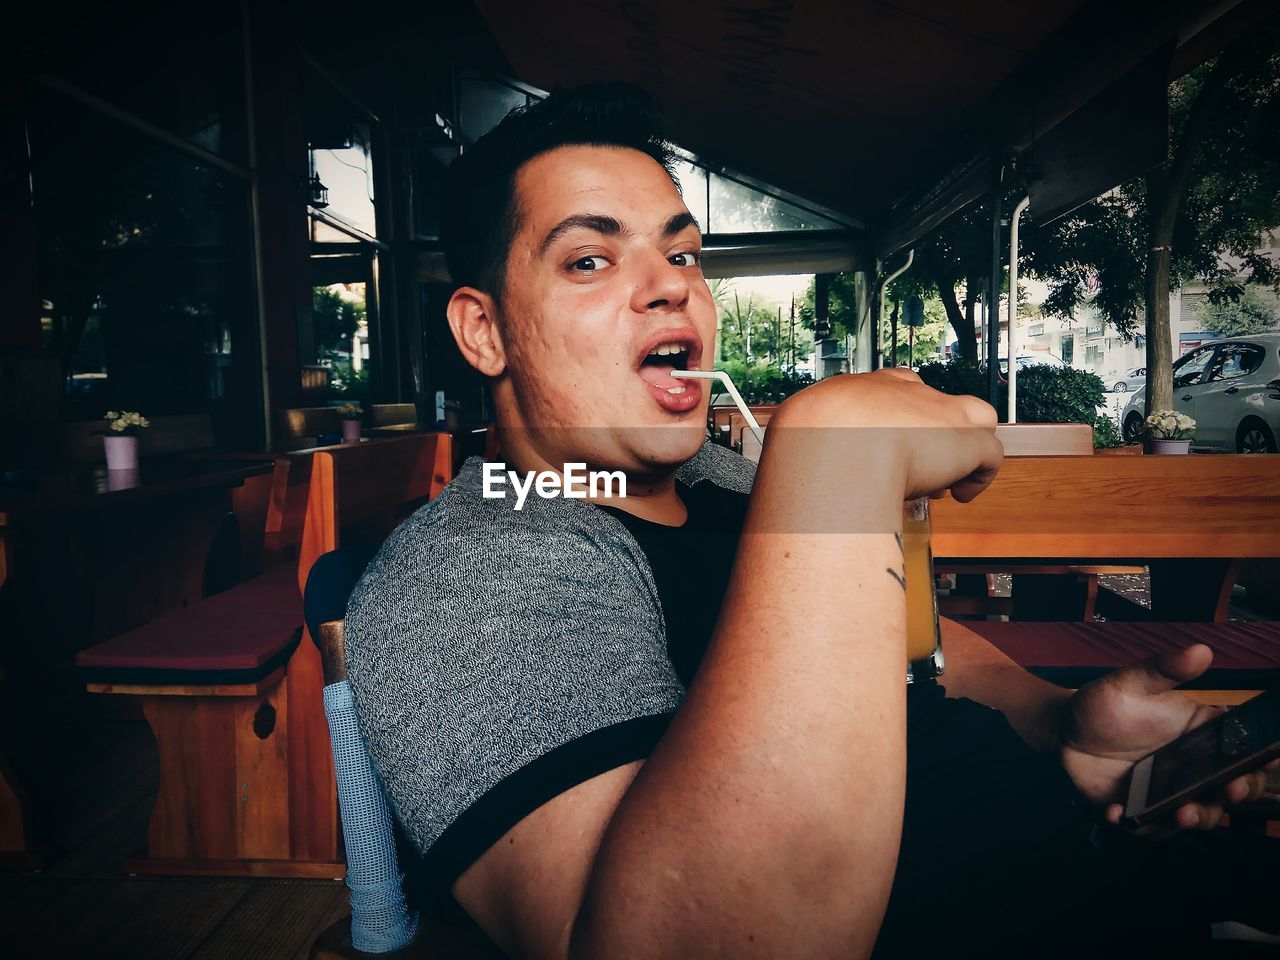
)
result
[(1246, 652), (231, 686), (1191, 518), (1041, 591)]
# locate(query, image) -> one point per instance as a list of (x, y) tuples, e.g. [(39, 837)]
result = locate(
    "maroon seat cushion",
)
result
[(238, 636), (1246, 654)]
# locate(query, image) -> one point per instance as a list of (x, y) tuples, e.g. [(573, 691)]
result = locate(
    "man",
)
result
[(632, 727)]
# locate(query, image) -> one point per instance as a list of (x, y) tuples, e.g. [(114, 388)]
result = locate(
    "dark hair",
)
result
[(480, 216)]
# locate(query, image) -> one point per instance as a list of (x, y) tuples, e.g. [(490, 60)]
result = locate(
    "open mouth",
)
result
[(656, 367), (676, 350)]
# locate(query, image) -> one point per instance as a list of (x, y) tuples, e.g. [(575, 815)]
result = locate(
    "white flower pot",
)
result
[(1170, 446), (122, 452), (350, 431)]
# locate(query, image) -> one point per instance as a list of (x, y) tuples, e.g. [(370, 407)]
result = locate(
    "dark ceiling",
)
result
[(857, 105)]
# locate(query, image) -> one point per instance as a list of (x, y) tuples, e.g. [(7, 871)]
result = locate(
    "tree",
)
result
[(927, 338), (754, 331), (1197, 215), (336, 320), (1252, 313), (953, 264)]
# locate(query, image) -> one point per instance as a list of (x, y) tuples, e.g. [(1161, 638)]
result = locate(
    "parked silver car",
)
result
[(1134, 379), (1231, 388)]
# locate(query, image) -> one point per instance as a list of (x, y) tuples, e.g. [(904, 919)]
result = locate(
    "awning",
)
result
[(888, 111)]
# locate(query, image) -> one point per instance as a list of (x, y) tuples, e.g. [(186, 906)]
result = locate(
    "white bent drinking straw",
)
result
[(734, 395)]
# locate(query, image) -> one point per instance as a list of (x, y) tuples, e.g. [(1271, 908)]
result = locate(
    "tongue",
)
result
[(659, 375)]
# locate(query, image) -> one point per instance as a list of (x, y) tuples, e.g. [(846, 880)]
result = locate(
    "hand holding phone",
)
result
[(1203, 759)]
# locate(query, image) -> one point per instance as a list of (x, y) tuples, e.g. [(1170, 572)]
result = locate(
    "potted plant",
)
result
[(1168, 431), (120, 439), (350, 414)]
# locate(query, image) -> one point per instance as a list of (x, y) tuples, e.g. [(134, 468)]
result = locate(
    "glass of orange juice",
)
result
[(924, 642)]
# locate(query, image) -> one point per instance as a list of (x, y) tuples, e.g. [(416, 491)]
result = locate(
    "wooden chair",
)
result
[(231, 687), (393, 415), (379, 919), (301, 427), (720, 419)]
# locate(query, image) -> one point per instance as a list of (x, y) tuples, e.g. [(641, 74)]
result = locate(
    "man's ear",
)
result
[(473, 320)]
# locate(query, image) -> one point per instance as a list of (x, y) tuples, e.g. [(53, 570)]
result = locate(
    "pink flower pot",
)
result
[(122, 452), (1171, 446), (350, 431)]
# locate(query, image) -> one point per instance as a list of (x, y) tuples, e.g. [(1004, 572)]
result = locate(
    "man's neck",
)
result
[(651, 497), (657, 501)]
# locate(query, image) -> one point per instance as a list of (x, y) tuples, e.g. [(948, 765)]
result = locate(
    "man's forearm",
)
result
[(1034, 708), (768, 819)]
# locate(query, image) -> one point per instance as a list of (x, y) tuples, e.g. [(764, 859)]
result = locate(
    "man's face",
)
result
[(604, 297)]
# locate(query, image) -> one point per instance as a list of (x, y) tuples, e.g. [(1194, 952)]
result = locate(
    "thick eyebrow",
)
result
[(584, 221), (610, 227), (678, 223)]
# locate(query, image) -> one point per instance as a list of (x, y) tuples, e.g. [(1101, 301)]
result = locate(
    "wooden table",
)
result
[(1190, 518), (135, 540), (84, 554)]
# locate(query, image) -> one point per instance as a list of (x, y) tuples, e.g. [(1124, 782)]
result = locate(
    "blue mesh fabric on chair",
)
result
[(380, 919)]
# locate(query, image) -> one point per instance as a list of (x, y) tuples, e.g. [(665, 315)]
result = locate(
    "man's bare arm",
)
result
[(767, 820), (1035, 708)]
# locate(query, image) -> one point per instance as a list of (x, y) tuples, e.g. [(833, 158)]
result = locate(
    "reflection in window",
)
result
[(737, 208), (183, 70), (1236, 360), (484, 102), (344, 165), (144, 263), (430, 153), (1189, 369), (693, 188), (339, 149)]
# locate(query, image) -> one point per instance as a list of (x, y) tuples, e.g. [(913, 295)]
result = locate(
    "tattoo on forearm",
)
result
[(897, 537)]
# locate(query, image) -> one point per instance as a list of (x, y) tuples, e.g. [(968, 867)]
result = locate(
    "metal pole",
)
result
[(1013, 308), (879, 301), (893, 324), (993, 292)]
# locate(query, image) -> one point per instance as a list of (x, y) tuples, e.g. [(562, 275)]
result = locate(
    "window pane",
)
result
[(693, 187), (737, 208), (344, 165), (340, 339), (483, 104), (1236, 360), (1188, 370), (144, 262), (429, 158), (339, 148), (184, 71)]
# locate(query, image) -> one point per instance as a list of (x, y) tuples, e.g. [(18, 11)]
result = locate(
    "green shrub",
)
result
[(1045, 394), (761, 382), (959, 377), (1106, 433), (1058, 395)]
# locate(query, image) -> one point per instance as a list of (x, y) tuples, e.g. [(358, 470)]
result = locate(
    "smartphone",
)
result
[(1240, 740)]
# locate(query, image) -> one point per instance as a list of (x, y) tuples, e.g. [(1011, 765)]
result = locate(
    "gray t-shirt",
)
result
[(499, 657)]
